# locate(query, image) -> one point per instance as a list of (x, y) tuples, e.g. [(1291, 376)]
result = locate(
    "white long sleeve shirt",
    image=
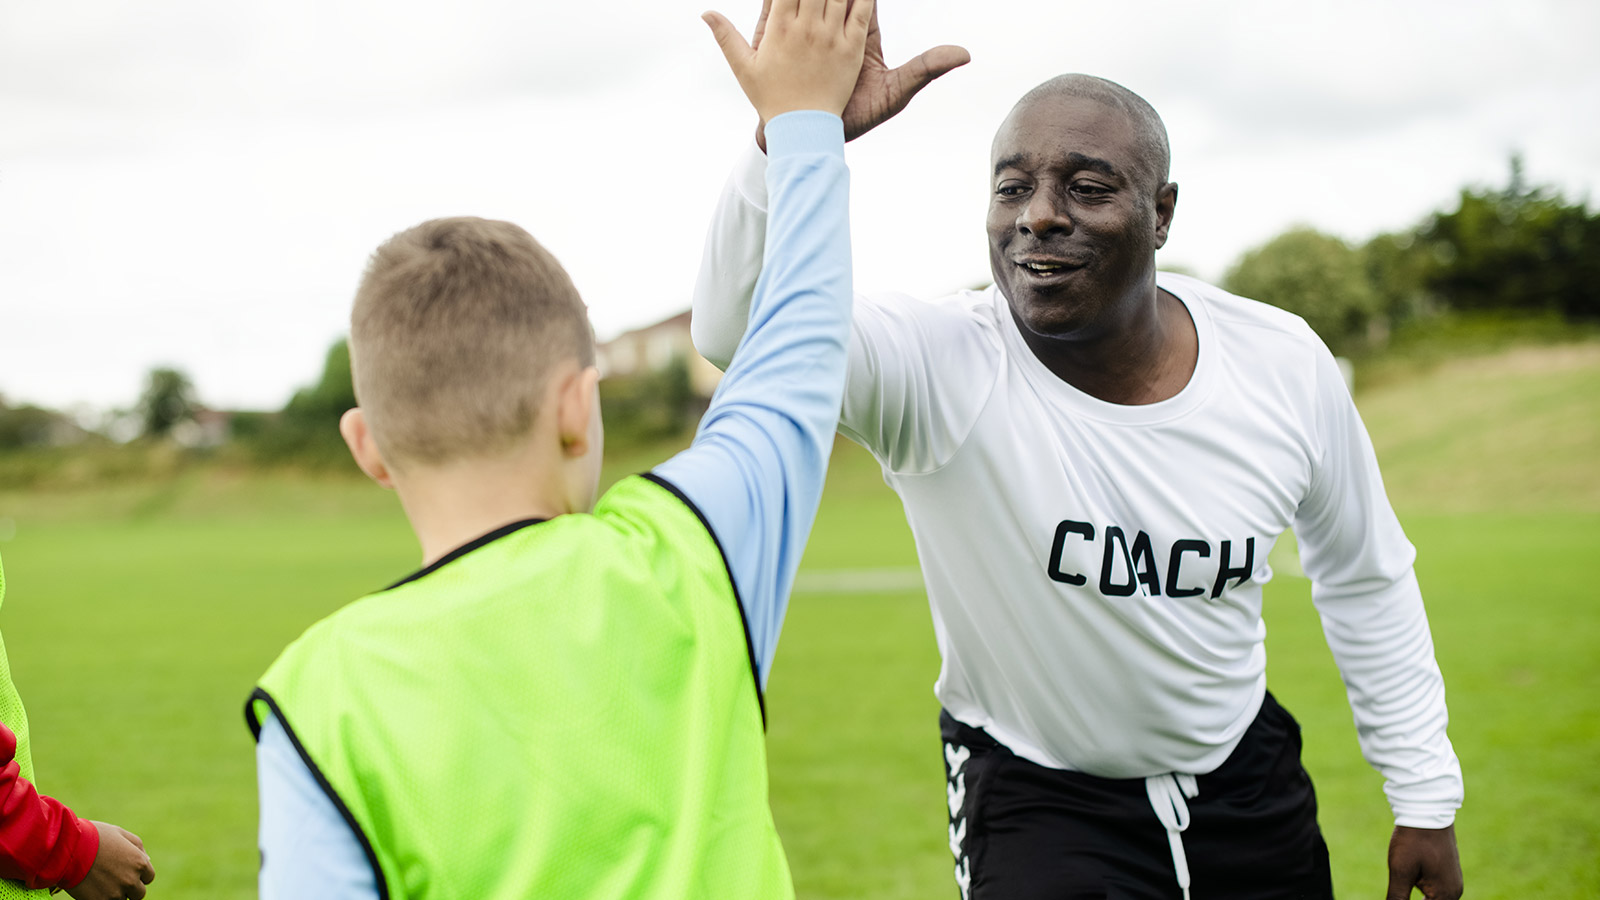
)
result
[(1094, 569)]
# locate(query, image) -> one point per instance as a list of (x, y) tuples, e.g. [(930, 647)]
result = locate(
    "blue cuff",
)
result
[(805, 131)]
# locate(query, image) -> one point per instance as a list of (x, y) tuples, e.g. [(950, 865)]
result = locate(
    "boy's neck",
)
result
[(457, 502)]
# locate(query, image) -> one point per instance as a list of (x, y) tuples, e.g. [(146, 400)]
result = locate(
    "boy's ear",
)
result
[(358, 437), (576, 408)]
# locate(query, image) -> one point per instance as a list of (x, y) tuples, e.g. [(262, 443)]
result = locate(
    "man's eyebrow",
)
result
[(1074, 160), (1079, 161), (1008, 162)]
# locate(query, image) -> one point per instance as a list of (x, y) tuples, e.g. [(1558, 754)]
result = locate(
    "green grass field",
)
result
[(138, 617)]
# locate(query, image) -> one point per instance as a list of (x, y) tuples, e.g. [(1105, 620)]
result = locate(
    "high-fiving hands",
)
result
[(880, 92), (808, 55)]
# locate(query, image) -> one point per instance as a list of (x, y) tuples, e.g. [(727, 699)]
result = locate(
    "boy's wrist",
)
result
[(81, 861), (805, 131)]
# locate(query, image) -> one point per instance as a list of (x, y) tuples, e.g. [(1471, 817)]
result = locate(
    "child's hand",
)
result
[(809, 55), (121, 867)]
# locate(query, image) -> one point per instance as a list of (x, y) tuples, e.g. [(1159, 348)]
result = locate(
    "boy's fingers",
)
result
[(784, 11), (861, 15), (761, 24), (734, 48), (796, 11)]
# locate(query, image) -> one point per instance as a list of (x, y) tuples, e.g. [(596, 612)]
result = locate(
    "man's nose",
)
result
[(1045, 212)]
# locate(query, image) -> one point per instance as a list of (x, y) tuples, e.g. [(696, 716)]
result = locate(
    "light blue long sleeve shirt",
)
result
[(754, 472)]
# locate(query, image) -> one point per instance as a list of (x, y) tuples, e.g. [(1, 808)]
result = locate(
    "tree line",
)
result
[(170, 413), (1520, 248)]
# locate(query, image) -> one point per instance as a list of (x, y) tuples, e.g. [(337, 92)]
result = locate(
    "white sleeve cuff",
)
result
[(749, 176)]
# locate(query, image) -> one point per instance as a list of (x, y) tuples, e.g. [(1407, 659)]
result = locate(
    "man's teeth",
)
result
[(1043, 267)]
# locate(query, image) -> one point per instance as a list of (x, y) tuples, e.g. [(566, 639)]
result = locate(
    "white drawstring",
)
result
[(1167, 793)]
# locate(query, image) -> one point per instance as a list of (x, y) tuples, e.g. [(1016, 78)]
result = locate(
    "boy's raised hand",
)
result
[(809, 56)]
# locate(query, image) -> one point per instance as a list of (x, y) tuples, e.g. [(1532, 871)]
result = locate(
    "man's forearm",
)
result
[(731, 264), (1385, 654)]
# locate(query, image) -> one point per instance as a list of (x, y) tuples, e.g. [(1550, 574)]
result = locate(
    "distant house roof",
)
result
[(675, 323), (653, 347)]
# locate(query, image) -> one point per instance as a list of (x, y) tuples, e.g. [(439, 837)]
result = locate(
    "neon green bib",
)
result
[(565, 710), (16, 719)]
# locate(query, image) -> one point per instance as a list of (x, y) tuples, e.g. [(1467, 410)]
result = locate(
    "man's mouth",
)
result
[(1046, 268)]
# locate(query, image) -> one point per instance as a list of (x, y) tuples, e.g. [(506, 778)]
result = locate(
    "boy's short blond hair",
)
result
[(456, 327)]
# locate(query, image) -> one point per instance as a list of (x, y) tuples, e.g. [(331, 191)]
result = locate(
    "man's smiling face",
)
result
[(1076, 213)]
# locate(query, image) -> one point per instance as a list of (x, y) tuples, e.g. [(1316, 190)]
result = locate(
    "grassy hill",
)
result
[(138, 615)]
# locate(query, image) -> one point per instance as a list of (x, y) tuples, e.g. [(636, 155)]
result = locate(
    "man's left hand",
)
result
[(1424, 858)]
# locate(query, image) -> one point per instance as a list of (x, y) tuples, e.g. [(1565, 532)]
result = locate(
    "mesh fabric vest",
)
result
[(565, 710), (16, 718)]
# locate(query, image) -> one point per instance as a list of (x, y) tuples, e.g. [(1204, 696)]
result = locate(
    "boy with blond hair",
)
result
[(563, 703)]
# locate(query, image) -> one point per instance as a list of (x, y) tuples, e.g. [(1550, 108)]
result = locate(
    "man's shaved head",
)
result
[(1155, 155)]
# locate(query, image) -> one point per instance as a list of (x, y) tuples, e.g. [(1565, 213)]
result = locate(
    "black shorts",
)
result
[(1021, 831)]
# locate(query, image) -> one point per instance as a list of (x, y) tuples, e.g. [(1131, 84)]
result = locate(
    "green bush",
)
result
[(168, 401), (1397, 269), (1318, 277), (650, 406), (306, 431), (1517, 248), (30, 426)]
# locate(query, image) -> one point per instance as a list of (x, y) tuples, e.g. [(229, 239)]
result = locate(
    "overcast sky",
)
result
[(197, 183)]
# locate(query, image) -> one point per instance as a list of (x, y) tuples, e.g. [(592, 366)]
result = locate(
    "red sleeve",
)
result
[(42, 844)]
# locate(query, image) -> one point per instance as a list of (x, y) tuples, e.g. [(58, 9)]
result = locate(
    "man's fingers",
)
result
[(147, 872), (132, 838), (1399, 885), (918, 73), (734, 48)]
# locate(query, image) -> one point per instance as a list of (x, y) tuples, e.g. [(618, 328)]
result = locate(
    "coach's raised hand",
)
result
[(808, 57)]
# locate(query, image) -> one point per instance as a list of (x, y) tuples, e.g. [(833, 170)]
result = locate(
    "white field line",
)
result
[(859, 581)]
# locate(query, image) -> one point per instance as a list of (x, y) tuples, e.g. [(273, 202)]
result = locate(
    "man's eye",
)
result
[(1090, 190), (1011, 190)]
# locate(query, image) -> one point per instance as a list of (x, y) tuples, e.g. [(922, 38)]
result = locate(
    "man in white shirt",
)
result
[(1094, 461)]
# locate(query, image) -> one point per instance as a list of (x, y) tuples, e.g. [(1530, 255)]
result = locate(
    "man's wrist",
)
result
[(1426, 821)]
